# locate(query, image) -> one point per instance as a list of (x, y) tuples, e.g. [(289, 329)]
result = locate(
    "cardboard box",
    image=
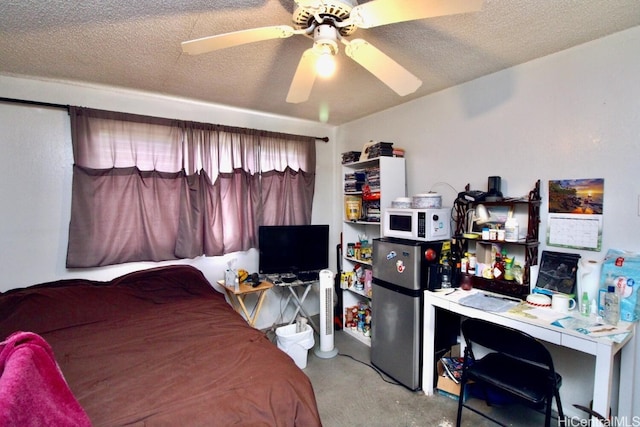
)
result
[(446, 386)]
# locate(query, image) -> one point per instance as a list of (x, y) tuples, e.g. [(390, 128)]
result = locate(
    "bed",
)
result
[(161, 347)]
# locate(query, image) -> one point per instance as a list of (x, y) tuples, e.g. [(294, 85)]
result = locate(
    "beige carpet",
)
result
[(350, 393)]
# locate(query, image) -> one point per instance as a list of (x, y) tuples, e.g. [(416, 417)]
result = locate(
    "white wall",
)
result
[(575, 114), (36, 169)]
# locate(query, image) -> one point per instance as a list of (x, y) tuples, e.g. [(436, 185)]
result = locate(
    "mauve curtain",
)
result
[(288, 181), (152, 189)]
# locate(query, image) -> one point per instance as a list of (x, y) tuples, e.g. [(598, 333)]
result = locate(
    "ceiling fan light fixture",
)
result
[(326, 64), (325, 44), (326, 35)]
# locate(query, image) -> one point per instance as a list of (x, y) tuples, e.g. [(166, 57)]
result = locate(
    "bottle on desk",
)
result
[(445, 273), (611, 306), (498, 268), (585, 305), (455, 262)]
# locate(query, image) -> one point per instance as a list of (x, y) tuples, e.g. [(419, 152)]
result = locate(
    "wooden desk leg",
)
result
[(232, 299), (261, 298), (250, 320), (237, 301)]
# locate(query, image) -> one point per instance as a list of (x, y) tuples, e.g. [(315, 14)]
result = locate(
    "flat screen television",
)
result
[(293, 249)]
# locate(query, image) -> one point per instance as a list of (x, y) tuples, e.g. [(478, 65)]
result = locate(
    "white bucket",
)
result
[(295, 344)]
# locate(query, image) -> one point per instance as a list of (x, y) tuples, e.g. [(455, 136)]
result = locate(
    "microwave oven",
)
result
[(428, 224)]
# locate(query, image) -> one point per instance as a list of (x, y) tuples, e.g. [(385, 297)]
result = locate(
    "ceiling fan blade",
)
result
[(383, 67), (223, 41), (383, 12), (304, 78)]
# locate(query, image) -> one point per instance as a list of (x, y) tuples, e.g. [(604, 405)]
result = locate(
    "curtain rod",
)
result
[(35, 103), (66, 107)]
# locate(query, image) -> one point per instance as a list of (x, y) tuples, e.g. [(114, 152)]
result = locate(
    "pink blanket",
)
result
[(33, 391)]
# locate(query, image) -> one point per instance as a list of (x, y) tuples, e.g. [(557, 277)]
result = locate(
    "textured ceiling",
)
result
[(136, 44)]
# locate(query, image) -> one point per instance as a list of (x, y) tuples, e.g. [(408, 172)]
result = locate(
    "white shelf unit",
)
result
[(392, 185)]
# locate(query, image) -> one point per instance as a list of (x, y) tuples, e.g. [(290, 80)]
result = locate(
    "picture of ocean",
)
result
[(576, 196)]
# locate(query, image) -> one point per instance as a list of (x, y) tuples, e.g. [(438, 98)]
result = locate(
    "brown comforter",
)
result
[(161, 347)]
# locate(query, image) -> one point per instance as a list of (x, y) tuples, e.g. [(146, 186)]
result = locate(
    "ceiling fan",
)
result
[(331, 21)]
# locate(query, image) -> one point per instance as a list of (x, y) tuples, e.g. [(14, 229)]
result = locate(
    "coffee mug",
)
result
[(562, 303)]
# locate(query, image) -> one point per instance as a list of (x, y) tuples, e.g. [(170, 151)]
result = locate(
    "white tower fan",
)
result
[(326, 349)]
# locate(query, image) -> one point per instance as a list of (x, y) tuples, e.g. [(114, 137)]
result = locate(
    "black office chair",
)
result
[(517, 364)]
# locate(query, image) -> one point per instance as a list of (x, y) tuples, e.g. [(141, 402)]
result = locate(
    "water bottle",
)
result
[(445, 274), (611, 306)]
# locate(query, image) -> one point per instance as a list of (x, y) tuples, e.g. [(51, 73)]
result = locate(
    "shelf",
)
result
[(505, 287), (359, 261), (504, 202), (367, 162), (530, 243), (363, 222), (385, 177), (357, 292), (521, 242), (358, 335)]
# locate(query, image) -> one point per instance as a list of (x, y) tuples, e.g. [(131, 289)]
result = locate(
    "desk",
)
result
[(603, 349), (237, 298)]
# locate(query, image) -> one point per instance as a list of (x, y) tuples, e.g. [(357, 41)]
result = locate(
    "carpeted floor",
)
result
[(351, 393)]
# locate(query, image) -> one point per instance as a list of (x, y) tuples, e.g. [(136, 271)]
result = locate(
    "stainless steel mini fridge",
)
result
[(402, 270)]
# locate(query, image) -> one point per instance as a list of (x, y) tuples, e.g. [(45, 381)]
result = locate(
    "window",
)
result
[(152, 189)]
